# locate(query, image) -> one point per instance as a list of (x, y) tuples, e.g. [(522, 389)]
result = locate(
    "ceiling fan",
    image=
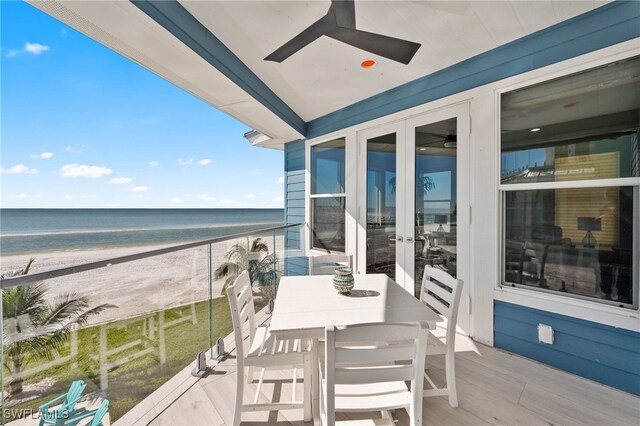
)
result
[(340, 24)]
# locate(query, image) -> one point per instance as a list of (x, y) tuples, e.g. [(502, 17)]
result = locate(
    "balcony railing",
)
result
[(126, 325)]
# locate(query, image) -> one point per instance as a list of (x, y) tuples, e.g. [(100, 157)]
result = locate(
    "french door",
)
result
[(413, 198)]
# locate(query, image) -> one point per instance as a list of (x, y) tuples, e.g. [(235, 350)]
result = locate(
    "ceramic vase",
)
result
[(343, 279)]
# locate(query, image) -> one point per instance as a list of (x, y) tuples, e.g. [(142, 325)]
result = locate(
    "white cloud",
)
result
[(204, 161), (19, 169), (139, 189), (250, 195), (280, 180), (254, 172), (153, 164), (68, 197), (188, 162), (228, 202), (12, 53), (43, 155), (176, 200), (82, 170), (35, 48), (207, 197), (120, 180), (20, 196)]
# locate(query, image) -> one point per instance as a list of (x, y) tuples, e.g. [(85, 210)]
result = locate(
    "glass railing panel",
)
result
[(126, 326), (258, 254), (294, 257), (124, 329)]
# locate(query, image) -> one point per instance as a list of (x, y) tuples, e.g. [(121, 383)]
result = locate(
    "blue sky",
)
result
[(82, 126)]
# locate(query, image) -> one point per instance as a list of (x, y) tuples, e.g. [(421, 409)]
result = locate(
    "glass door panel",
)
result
[(381, 190), (435, 198)]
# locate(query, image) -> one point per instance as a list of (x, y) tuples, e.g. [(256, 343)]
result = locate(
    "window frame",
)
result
[(309, 196), (503, 189)]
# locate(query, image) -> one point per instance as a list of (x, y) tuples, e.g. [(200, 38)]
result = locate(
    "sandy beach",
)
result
[(139, 286)]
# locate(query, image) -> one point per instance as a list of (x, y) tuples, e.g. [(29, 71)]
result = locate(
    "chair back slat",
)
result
[(240, 295), (364, 375), (441, 291), (100, 413), (436, 305), (75, 391), (326, 264), (377, 332), (380, 354)]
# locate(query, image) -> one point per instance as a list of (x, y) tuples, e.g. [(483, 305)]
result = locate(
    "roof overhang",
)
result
[(216, 50)]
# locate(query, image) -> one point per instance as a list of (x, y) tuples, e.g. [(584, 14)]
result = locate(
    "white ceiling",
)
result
[(326, 75)]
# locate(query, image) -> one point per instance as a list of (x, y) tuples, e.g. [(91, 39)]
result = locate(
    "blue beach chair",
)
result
[(97, 415), (61, 413)]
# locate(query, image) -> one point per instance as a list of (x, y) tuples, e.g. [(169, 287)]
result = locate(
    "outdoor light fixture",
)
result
[(368, 63), (589, 224), (535, 129)]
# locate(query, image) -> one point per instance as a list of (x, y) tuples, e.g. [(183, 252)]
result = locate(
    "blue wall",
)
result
[(597, 352), (605, 26), (294, 206)]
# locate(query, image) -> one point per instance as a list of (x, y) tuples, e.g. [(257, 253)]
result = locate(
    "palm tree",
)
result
[(38, 330), (247, 257)]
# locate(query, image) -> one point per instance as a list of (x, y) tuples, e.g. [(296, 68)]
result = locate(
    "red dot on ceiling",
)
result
[(570, 104), (368, 63)]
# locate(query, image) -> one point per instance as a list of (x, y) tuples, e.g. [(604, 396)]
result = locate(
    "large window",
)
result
[(328, 196), (570, 185)]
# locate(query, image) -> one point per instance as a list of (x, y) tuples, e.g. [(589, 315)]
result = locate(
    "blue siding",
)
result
[(598, 352), (294, 206), (605, 26)]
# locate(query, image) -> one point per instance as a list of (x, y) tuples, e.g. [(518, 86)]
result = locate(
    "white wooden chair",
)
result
[(264, 351), (441, 292), (327, 263), (366, 367)]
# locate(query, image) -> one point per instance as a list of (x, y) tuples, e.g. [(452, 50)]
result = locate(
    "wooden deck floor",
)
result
[(494, 388)]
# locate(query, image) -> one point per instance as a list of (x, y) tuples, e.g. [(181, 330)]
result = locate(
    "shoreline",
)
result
[(136, 287)]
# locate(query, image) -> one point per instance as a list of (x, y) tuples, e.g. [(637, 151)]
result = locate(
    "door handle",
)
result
[(409, 239), (399, 239)]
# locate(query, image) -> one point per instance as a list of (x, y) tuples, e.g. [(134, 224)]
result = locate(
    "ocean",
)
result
[(27, 231)]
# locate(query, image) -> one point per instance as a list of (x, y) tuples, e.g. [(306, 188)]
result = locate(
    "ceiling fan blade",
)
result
[(389, 47), (345, 12), (319, 28)]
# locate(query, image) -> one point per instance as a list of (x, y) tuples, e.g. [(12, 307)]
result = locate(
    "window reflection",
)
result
[(381, 205), (328, 196), (576, 241), (436, 198), (327, 216)]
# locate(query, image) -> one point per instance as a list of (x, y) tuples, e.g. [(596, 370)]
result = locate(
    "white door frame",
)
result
[(398, 128), (405, 200), (463, 229)]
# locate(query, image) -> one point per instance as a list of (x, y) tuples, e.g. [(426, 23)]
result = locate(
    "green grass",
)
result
[(133, 381)]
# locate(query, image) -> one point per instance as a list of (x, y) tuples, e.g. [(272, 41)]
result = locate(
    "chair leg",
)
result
[(451, 378), (237, 413), (307, 389), (250, 375)]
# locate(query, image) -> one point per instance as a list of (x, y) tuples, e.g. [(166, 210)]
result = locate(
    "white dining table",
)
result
[(305, 305)]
